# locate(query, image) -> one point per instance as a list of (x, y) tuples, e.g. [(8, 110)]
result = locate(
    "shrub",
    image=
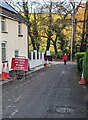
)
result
[(60, 55), (53, 54), (79, 57), (85, 66)]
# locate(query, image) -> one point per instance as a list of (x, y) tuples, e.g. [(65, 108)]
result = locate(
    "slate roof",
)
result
[(9, 11)]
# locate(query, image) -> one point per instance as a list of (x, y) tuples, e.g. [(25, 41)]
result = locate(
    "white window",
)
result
[(3, 47), (19, 28), (3, 24), (16, 53)]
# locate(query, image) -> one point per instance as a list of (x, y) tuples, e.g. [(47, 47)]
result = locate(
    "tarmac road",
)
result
[(47, 93)]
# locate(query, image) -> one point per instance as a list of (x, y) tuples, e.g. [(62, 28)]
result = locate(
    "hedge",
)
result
[(79, 57), (85, 66)]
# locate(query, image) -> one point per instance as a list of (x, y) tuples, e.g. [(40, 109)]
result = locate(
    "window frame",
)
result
[(20, 29), (3, 24), (3, 53), (16, 55)]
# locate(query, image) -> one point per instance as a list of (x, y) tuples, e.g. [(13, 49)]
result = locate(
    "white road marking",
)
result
[(12, 114)]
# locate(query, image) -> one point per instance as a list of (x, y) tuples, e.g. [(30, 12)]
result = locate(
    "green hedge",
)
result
[(85, 66), (79, 57)]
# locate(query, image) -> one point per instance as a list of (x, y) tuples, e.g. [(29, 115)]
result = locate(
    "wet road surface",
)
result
[(48, 93)]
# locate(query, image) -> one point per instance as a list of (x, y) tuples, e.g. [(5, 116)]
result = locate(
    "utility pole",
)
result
[(72, 31), (72, 38), (72, 34)]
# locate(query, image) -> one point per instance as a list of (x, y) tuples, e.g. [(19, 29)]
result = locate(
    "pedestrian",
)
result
[(65, 58)]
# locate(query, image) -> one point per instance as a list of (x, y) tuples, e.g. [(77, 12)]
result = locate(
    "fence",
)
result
[(35, 58)]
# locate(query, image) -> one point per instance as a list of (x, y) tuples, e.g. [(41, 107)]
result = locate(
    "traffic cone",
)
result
[(7, 71), (47, 64), (82, 80), (3, 75)]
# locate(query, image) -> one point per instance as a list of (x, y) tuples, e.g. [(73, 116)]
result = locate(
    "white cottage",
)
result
[(13, 34)]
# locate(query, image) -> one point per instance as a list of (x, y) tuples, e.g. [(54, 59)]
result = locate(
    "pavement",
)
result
[(27, 73)]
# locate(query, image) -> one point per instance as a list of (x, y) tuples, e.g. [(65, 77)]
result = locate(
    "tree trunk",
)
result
[(55, 48), (32, 40), (87, 25), (48, 44), (49, 27), (74, 37), (83, 41), (26, 13)]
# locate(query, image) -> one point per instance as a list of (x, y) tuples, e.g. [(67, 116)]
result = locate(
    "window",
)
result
[(3, 47), (16, 53), (3, 26), (20, 29)]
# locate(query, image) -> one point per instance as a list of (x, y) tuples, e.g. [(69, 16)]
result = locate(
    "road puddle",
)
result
[(63, 109)]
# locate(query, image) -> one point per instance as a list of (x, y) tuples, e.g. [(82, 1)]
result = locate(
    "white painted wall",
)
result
[(0, 46), (13, 42), (35, 63)]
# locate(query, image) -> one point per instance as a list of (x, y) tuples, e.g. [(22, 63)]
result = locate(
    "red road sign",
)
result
[(19, 64)]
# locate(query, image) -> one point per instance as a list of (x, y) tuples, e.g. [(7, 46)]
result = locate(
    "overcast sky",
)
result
[(59, 0), (41, 1)]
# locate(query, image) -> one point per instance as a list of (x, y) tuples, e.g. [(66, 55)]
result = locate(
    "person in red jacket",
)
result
[(65, 58)]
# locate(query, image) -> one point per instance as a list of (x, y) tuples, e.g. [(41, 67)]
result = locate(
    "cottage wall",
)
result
[(13, 41), (0, 46)]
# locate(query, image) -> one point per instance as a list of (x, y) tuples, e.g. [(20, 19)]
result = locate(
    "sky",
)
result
[(41, 1), (33, 7)]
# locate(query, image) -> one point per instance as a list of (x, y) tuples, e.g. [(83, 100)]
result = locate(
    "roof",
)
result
[(7, 6), (9, 11)]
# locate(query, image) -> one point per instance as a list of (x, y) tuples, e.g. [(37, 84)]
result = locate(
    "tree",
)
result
[(55, 27), (87, 24), (35, 32), (50, 23), (49, 32), (74, 26), (26, 14), (84, 41)]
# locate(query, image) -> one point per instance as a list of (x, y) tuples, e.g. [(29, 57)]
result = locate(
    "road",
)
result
[(47, 93)]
